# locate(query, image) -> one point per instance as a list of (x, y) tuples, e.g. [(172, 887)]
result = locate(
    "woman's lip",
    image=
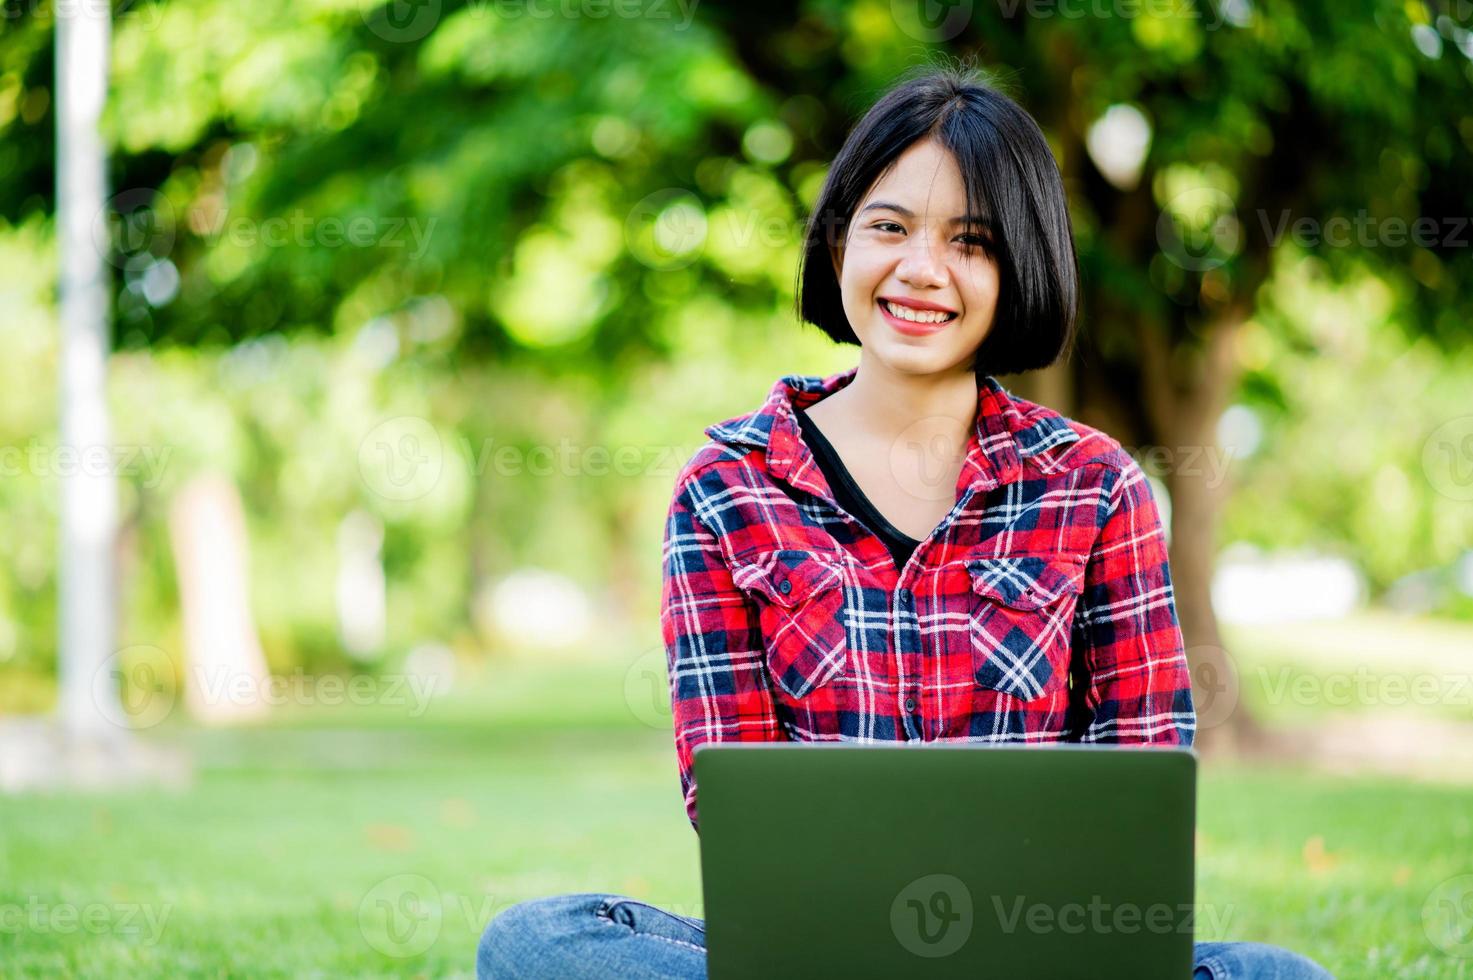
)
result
[(908, 327)]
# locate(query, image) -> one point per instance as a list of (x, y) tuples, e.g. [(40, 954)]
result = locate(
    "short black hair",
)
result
[(1010, 175)]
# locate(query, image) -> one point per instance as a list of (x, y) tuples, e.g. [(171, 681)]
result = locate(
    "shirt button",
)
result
[(907, 596), (785, 587), (910, 704)]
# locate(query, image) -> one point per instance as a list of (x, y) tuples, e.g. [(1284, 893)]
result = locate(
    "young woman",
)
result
[(904, 550)]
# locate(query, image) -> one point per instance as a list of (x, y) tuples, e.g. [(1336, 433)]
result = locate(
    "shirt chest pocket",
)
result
[(1021, 622), (800, 600)]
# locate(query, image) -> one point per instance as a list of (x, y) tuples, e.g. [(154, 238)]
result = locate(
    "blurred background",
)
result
[(349, 352)]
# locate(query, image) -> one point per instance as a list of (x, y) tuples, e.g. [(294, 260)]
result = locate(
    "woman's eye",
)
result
[(972, 241)]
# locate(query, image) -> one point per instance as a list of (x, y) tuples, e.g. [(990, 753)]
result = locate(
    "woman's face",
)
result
[(909, 243)]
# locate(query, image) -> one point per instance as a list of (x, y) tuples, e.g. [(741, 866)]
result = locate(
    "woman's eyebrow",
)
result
[(969, 219)]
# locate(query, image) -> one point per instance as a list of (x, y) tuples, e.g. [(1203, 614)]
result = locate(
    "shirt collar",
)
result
[(1005, 431)]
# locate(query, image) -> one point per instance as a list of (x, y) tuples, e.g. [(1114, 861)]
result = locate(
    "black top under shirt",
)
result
[(848, 494)]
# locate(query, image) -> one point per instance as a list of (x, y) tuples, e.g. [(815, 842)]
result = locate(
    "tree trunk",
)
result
[(1186, 389), (225, 674)]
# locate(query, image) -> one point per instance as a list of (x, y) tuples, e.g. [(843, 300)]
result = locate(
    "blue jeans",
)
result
[(566, 937)]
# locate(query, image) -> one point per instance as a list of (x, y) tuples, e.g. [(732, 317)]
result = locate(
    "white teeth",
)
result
[(915, 316)]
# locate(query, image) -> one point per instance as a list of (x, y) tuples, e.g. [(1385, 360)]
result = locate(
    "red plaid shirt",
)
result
[(1039, 610)]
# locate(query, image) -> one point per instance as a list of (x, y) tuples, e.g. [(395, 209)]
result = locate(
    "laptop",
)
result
[(977, 860)]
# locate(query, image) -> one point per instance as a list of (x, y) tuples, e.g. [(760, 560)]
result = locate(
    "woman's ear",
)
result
[(836, 256)]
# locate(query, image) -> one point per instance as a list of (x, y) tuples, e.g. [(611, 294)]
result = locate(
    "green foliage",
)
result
[(523, 229), (1348, 404)]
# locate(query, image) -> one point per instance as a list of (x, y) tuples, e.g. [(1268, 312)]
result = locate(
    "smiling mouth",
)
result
[(920, 318), (925, 317)]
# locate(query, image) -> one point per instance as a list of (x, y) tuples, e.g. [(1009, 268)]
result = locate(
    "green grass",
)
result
[(276, 860)]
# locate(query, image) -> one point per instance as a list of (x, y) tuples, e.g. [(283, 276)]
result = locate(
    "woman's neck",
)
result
[(880, 406)]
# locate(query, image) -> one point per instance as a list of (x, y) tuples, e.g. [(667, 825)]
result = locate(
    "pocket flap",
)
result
[(788, 576), (1026, 582)]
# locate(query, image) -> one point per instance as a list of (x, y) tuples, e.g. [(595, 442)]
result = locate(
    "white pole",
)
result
[(89, 499)]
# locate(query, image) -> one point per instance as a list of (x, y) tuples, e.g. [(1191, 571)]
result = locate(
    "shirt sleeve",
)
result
[(1138, 685), (715, 658)]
